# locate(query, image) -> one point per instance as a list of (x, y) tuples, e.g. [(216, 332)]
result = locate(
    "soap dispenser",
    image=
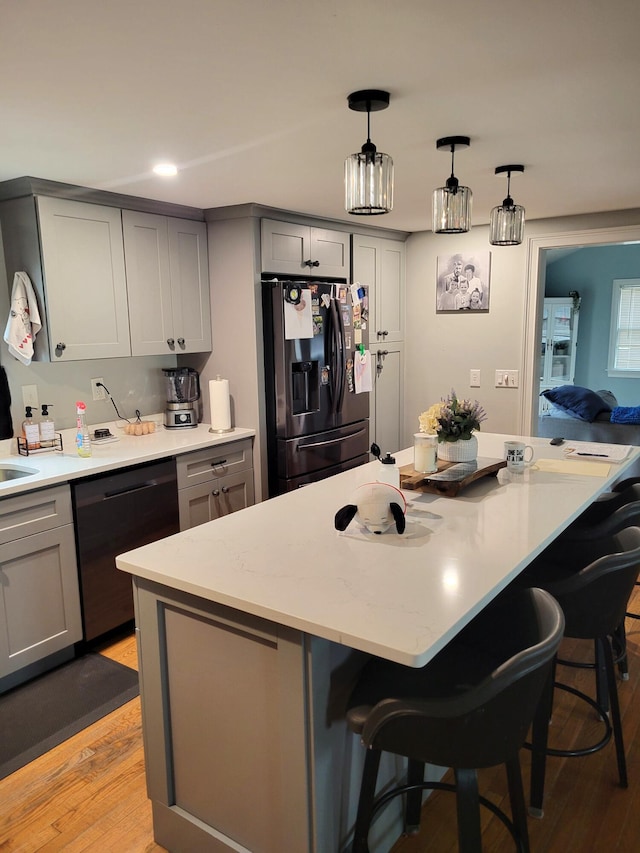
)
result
[(47, 428), (30, 430)]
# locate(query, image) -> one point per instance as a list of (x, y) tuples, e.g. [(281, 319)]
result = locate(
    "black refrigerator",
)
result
[(317, 370)]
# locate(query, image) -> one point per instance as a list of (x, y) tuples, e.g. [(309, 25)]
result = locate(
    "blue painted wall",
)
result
[(591, 271)]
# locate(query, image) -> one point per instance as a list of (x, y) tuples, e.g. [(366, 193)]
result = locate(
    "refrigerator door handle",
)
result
[(301, 447), (340, 355)]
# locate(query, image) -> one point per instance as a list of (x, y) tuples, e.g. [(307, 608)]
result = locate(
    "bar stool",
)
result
[(589, 535), (593, 595), (470, 707)]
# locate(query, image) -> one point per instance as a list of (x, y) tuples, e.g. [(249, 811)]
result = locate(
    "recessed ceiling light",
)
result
[(167, 170)]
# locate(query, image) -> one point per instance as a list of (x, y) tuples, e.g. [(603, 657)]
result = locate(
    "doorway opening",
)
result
[(537, 250)]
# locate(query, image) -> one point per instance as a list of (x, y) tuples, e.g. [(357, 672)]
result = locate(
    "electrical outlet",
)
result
[(97, 390), (507, 378), (30, 396), (474, 378)]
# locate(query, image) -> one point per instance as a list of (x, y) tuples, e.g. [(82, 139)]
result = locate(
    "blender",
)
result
[(183, 389)]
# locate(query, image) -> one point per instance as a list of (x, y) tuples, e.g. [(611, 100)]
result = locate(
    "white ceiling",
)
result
[(249, 98)]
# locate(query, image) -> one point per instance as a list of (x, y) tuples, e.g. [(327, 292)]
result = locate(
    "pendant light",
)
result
[(507, 220), (368, 174), (452, 203)]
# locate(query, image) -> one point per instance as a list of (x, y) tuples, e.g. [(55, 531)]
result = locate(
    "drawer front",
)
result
[(202, 466), (34, 512)]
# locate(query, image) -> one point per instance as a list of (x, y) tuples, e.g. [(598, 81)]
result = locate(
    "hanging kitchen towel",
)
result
[(24, 319), (6, 424)]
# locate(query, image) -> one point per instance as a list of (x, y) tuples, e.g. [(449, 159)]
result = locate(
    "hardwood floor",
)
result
[(88, 794)]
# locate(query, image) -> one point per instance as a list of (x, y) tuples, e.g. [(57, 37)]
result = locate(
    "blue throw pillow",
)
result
[(581, 403)]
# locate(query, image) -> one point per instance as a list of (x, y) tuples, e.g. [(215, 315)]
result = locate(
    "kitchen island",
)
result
[(252, 628)]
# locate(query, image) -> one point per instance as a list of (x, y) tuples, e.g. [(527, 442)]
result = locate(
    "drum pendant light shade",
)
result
[(452, 203), (368, 174), (507, 220)]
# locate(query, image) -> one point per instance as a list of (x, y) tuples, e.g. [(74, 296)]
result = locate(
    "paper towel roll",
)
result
[(220, 405)]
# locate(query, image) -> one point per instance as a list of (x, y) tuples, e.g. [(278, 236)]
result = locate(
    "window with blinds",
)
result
[(624, 339)]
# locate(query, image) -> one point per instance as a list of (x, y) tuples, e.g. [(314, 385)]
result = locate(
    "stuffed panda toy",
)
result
[(376, 506)]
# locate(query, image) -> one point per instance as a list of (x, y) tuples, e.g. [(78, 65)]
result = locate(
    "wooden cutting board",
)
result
[(451, 477)]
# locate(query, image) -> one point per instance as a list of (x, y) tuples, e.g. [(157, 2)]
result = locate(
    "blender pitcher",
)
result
[(182, 386)]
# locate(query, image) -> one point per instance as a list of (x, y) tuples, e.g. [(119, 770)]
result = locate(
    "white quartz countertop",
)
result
[(402, 597), (54, 467)]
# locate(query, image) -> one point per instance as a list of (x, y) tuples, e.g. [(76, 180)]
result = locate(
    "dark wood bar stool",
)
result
[(593, 594), (470, 707)]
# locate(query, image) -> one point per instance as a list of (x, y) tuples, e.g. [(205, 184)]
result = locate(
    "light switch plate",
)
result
[(507, 378), (474, 378)]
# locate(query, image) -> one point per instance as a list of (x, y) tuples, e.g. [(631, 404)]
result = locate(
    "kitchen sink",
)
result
[(14, 472)]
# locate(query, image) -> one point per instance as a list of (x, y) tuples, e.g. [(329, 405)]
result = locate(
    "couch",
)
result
[(601, 429)]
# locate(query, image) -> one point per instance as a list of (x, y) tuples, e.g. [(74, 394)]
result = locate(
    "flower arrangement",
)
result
[(452, 419)]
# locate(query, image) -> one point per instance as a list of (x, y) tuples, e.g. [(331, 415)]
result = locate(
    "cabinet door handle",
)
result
[(218, 462), (311, 263), (383, 334), (171, 342), (225, 489), (181, 341), (61, 347), (215, 493)]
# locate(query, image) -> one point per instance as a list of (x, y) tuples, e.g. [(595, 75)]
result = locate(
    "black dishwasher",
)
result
[(115, 513)]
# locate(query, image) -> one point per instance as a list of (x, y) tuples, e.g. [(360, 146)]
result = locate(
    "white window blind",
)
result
[(624, 342)]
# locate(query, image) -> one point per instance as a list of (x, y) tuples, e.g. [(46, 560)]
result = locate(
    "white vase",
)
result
[(458, 451)]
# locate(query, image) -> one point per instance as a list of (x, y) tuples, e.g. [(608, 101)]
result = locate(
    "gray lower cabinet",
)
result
[(214, 482), (40, 604)]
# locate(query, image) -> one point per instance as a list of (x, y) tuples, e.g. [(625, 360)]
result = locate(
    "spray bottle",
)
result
[(83, 440)]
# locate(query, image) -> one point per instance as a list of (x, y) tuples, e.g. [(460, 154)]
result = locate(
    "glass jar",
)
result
[(425, 449)]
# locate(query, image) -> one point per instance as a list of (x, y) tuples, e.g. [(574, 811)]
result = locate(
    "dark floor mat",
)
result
[(39, 715)]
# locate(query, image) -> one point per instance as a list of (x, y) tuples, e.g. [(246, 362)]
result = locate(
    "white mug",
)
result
[(515, 452)]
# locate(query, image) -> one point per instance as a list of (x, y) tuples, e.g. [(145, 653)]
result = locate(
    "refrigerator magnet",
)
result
[(350, 385)]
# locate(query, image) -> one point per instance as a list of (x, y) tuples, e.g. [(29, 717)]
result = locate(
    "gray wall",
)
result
[(591, 271)]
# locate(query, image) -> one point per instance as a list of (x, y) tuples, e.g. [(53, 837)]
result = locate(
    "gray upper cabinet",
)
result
[(97, 300), (294, 249), (84, 279), (168, 284)]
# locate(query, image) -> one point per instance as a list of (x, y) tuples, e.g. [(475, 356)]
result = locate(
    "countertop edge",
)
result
[(64, 466)]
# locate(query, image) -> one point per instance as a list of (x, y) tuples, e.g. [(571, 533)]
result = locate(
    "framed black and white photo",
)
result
[(463, 282)]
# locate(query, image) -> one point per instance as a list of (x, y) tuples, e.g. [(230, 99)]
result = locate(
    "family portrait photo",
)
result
[(463, 282)]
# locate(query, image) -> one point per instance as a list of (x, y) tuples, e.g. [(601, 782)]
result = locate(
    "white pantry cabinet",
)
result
[(379, 264), (84, 279), (294, 249), (168, 284)]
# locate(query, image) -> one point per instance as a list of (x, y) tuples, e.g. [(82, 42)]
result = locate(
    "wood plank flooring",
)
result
[(88, 794)]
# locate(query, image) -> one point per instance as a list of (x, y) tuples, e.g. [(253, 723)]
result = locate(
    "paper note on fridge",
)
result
[(298, 319), (362, 365)]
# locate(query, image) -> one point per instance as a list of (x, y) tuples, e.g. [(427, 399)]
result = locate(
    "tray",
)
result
[(451, 477)]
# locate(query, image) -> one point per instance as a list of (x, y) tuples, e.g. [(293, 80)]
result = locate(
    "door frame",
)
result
[(534, 298)]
